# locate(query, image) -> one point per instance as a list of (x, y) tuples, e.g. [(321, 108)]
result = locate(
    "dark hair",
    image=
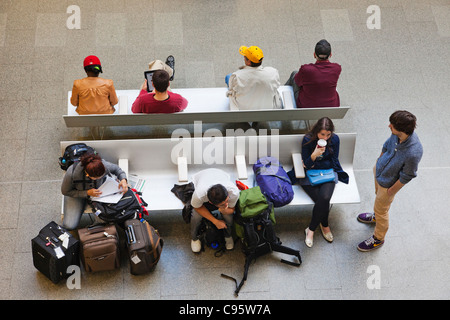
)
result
[(324, 123), (323, 49), (254, 65), (161, 80), (217, 194), (93, 165), (403, 121), (94, 69)]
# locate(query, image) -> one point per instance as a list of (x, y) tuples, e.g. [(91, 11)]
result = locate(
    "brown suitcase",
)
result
[(144, 246), (99, 248)]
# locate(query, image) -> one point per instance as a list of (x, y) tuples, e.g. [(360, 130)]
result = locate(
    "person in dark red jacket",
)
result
[(315, 83)]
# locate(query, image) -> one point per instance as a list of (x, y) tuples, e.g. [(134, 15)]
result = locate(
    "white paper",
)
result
[(110, 191), (136, 182), (65, 239), (135, 259), (59, 252)]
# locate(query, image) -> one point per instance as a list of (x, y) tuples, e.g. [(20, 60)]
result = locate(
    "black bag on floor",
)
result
[(144, 246), (257, 233), (130, 206), (212, 237), (55, 249)]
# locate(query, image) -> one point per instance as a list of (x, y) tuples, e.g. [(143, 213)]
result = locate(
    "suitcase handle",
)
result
[(131, 237), (96, 228)]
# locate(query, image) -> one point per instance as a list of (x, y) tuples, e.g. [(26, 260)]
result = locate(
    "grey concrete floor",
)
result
[(403, 65)]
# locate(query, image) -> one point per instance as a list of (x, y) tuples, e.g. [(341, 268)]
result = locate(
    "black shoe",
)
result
[(170, 61)]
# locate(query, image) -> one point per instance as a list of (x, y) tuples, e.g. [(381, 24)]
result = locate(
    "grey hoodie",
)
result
[(76, 184), (399, 160)]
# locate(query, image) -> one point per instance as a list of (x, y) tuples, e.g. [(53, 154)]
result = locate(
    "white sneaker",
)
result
[(196, 246), (229, 243)]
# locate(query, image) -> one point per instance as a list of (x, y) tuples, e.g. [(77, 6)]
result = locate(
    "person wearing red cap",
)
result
[(93, 95)]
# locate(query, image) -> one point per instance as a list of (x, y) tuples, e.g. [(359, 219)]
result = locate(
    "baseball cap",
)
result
[(323, 49), (253, 53), (94, 62)]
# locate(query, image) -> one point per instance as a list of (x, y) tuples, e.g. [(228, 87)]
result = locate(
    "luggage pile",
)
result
[(98, 248)]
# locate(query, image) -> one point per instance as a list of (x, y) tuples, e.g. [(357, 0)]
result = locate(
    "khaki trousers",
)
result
[(381, 207)]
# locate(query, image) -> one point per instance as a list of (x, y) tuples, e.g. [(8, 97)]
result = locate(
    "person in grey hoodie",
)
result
[(396, 166), (82, 181)]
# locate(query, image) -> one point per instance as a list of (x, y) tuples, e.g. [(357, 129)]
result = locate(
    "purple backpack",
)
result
[(273, 181)]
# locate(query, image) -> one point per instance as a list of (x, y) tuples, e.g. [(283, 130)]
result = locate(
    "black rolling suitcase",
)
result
[(54, 249), (144, 246)]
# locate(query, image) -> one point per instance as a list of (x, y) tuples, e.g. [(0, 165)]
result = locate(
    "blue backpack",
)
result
[(273, 181)]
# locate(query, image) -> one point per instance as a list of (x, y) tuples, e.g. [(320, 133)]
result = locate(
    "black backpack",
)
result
[(212, 237), (73, 153), (130, 206), (258, 237)]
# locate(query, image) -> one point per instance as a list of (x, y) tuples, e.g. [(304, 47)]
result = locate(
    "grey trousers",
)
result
[(295, 87), (73, 209)]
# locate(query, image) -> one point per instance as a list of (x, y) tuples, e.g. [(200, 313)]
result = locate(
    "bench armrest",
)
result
[(298, 165), (182, 169), (123, 164), (288, 101), (123, 104), (241, 166)]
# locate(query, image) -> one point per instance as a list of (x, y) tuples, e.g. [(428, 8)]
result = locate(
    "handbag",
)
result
[(320, 176)]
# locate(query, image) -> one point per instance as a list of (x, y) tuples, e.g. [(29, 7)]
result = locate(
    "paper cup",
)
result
[(322, 143)]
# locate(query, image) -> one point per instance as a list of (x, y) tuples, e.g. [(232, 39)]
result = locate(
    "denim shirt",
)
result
[(399, 161)]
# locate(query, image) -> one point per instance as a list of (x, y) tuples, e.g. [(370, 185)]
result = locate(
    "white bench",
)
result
[(208, 105), (157, 161)]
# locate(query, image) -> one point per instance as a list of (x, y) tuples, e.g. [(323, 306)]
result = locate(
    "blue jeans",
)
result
[(227, 79)]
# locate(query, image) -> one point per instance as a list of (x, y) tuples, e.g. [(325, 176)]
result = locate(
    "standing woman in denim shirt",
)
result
[(315, 157)]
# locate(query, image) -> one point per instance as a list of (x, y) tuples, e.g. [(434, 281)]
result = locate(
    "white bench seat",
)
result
[(209, 105), (151, 159)]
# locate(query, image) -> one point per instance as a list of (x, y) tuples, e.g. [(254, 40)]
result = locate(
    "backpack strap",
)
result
[(258, 171)]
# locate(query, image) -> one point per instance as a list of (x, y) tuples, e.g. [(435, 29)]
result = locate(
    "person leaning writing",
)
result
[(81, 181)]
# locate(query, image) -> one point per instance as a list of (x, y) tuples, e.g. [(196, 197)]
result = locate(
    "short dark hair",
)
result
[(217, 194), (161, 80), (254, 64), (323, 49), (94, 69), (403, 121)]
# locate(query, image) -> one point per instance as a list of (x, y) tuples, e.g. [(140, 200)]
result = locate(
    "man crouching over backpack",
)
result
[(213, 187)]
